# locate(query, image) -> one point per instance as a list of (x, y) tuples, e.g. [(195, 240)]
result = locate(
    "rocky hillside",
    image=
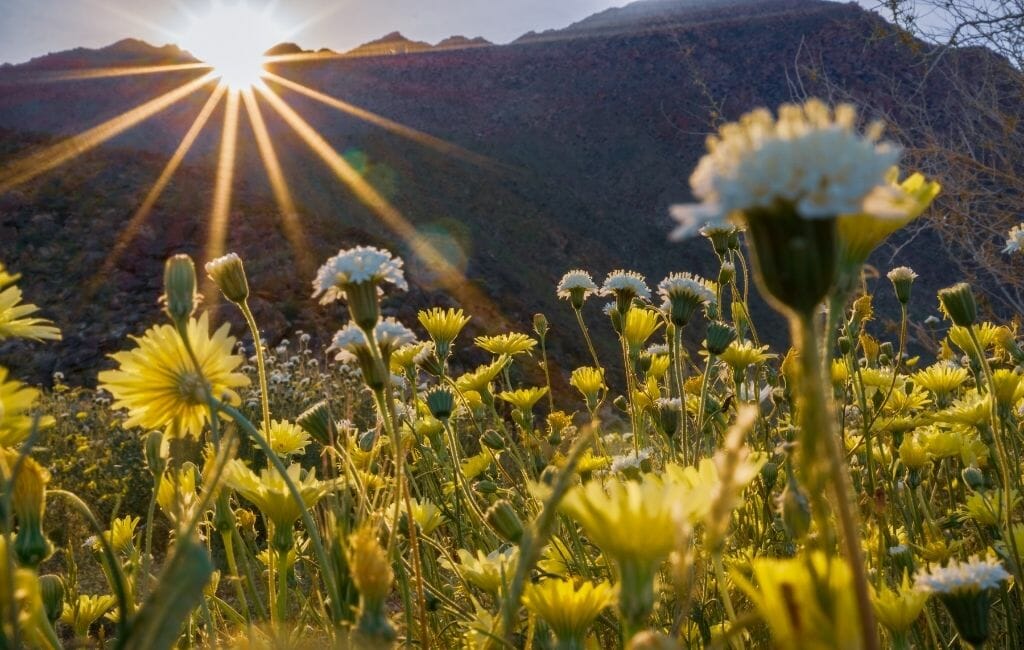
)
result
[(592, 130)]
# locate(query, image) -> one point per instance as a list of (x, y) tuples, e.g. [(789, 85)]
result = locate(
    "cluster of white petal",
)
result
[(974, 575), (574, 280), (686, 285), (356, 266), (626, 281), (811, 157)]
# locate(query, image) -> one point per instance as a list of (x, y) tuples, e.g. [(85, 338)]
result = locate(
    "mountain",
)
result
[(461, 42), (581, 142), (128, 51), (393, 43)]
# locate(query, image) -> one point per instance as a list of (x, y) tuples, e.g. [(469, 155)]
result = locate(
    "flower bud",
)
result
[(441, 403), (228, 273), (155, 459), (902, 279), (179, 288), (973, 477), (796, 511), (51, 588), (769, 475), (727, 273), (502, 516), (316, 421), (621, 403), (486, 487), (492, 440), (540, 324), (845, 345), (959, 304), (720, 335)]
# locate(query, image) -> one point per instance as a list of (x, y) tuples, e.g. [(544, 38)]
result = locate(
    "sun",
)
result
[(233, 39)]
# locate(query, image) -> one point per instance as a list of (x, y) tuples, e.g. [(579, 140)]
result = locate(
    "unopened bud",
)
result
[(502, 516), (959, 304), (179, 288), (228, 273)]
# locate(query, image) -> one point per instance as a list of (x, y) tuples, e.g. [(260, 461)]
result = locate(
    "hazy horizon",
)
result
[(34, 28)]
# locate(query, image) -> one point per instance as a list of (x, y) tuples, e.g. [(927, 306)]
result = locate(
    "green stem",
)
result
[(261, 366), (818, 435)]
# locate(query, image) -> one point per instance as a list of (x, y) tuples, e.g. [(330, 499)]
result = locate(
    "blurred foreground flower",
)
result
[(16, 320)]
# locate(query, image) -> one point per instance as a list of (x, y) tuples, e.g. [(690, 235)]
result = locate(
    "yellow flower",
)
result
[(524, 399), (805, 609), (876, 378), (988, 335), (425, 514), (158, 384), (407, 355), (914, 453), (511, 344), (285, 438), (16, 320), (85, 611), (897, 609), (839, 373), (589, 382), (567, 608), (1007, 386), (986, 508), (972, 410), (629, 520), (480, 379), (371, 569), (741, 354), (659, 365), (475, 465), (270, 494), (860, 234), (176, 494), (901, 401), (941, 443), (16, 400), (443, 325), (639, 325), (941, 378), (490, 572), (122, 533)]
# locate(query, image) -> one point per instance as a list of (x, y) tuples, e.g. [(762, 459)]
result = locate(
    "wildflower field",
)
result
[(842, 492)]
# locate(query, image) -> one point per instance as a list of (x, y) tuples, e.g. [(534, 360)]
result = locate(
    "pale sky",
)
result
[(30, 28)]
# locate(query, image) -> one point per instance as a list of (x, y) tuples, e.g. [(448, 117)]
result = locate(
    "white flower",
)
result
[(959, 577), (669, 403), (1015, 239), (901, 274), (628, 281), (392, 335), (349, 341), (811, 157), (356, 266), (576, 280), (630, 460), (608, 309), (656, 349), (686, 286)]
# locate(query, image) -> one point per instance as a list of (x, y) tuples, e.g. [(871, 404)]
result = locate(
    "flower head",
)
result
[(159, 386), (811, 158), (443, 325), (228, 273), (16, 402), (285, 438), (897, 609), (16, 320), (568, 608), (510, 344), (489, 572), (683, 293), (957, 577), (589, 382), (576, 286), (359, 265), (624, 286), (269, 492), (524, 399)]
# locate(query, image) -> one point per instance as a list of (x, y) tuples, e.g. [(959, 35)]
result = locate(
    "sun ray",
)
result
[(103, 73), (142, 213), (220, 214), (25, 169), (425, 139), (450, 278), (282, 195)]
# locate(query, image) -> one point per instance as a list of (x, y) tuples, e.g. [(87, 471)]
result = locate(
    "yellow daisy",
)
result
[(511, 344), (567, 608), (16, 400), (158, 384), (16, 320)]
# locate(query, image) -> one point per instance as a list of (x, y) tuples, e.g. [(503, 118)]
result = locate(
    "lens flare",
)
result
[(234, 39)]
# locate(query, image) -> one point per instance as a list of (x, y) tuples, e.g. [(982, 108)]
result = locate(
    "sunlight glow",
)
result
[(282, 195), (223, 187), (23, 170), (234, 38), (131, 229)]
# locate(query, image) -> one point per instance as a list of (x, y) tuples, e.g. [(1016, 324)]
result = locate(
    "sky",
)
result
[(30, 28)]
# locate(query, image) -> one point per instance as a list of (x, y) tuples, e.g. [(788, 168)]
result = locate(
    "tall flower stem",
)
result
[(818, 435), (586, 337), (679, 379), (261, 364)]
